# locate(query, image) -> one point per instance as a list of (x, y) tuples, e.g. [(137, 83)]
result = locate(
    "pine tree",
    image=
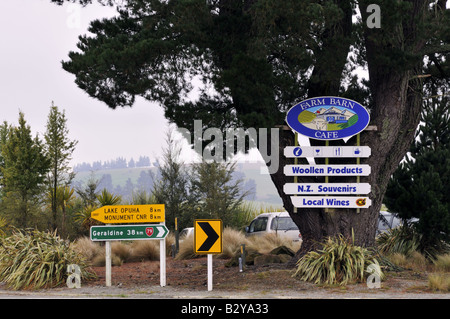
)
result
[(170, 186), (420, 186), (59, 149), (25, 167), (217, 193)]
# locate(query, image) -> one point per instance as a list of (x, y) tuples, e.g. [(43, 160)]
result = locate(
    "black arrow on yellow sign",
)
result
[(212, 236)]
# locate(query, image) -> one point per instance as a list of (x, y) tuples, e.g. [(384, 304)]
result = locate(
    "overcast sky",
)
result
[(35, 37)]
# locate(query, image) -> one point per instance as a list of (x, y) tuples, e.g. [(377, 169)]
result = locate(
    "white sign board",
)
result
[(327, 151), (326, 188), (327, 170), (330, 202)]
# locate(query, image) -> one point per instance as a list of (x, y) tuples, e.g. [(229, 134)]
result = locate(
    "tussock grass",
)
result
[(439, 282), (232, 241), (145, 250), (121, 250), (86, 247), (266, 243), (442, 263), (31, 259), (186, 250)]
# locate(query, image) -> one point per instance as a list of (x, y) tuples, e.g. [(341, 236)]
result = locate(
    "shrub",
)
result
[(121, 250), (404, 240), (338, 262), (34, 259), (145, 250), (87, 248), (186, 250), (232, 241)]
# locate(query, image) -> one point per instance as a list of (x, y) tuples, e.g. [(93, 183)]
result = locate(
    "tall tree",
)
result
[(171, 183), (218, 195), (25, 167), (419, 187), (257, 58), (59, 148)]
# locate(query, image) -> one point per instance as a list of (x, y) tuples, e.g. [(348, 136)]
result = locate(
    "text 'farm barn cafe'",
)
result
[(328, 118)]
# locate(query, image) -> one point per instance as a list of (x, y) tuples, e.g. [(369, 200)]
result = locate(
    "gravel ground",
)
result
[(188, 280)]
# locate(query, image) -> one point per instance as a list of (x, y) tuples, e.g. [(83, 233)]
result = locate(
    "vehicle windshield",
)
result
[(283, 223)]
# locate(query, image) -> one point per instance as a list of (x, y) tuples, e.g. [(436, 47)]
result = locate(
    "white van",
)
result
[(279, 223)]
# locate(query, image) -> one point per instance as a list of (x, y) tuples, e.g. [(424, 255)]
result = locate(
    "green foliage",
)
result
[(3, 226), (403, 240), (59, 150), (217, 194), (339, 261), (419, 187), (83, 217), (106, 198), (171, 186), (33, 259), (206, 190), (24, 167)]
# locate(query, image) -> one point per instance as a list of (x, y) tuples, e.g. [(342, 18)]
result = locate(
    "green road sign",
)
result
[(128, 232)]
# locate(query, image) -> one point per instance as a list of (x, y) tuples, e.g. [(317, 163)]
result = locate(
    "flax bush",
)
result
[(338, 262), (33, 259), (404, 240)]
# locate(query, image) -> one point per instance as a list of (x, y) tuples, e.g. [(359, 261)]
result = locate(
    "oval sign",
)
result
[(328, 118)]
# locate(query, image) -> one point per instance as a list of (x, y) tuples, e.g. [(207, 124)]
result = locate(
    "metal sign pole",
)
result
[(210, 272), (108, 263), (162, 261)]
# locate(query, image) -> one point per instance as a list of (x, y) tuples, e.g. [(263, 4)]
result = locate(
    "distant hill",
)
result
[(126, 180)]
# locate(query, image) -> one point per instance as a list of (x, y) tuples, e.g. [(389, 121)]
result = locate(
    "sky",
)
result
[(35, 36)]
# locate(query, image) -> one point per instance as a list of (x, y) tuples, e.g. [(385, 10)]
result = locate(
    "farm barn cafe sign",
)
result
[(328, 118)]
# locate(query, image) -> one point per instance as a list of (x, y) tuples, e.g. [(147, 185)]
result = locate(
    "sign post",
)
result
[(162, 261), (108, 263), (128, 232), (328, 118), (120, 214), (208, 240), (131, 214)]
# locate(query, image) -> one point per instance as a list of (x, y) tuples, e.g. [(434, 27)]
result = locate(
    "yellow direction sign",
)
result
[(208, 236), (119, 214)]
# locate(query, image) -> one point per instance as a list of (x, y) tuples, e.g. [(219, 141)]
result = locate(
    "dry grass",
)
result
[(232, 241), (186, 249), (149, 249), (121, 250), (266, 243), (442, 263), (415, 261), (86, 247), (145, 250), (439, 282)]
